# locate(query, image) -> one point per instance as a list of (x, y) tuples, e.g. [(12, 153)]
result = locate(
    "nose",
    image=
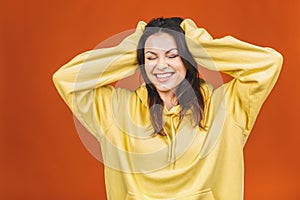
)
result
[(162, 64)]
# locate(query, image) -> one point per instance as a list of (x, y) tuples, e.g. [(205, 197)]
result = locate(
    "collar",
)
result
[(142, 93)]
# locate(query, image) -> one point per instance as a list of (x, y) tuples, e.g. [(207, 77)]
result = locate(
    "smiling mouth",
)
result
[(163, 77)]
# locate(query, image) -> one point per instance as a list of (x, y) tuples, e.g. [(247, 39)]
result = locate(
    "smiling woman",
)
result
[(170, 72), (163, 66), (175, 137)]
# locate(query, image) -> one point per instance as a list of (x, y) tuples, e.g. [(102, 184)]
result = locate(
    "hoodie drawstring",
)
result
[(171, 124)]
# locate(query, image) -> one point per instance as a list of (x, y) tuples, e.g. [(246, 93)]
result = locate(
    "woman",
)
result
[(175, 137)]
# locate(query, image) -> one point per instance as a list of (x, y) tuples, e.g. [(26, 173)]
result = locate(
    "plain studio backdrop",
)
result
[(41, 153)]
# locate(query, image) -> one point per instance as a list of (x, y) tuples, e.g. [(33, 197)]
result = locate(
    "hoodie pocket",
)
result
[(205, 194), (200, 195)]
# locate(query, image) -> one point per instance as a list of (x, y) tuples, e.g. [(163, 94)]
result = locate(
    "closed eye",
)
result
[(172, 53), (173, 56), (149, 55), (151, 58)]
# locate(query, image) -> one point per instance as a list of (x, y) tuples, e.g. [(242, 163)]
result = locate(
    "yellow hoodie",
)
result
[(189, 163)]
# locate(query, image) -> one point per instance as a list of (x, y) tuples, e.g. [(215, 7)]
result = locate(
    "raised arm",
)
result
[(83, 83), (254, 69)]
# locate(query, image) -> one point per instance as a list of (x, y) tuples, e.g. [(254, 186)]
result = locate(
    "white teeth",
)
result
[(163, 75)]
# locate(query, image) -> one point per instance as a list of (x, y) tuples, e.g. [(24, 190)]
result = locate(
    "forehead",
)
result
[(160, 41)]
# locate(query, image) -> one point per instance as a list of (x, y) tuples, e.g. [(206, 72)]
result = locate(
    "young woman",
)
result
[(175, 137)]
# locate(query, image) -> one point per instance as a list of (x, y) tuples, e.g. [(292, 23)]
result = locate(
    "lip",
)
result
[(163, 77)]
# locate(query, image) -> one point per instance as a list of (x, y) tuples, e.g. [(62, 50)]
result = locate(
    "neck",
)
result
[(169, 99)]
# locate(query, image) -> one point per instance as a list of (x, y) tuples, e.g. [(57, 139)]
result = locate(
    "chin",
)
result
[(164, 88)]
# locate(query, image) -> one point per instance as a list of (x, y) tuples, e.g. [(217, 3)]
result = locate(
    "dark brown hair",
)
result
[(188, 92)]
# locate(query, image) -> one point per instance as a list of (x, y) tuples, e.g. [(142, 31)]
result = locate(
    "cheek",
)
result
[(179, 67), (148, 70), (184, 72), (149, 67)]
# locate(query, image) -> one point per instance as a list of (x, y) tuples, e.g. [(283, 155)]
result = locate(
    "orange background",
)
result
[(42, 156)]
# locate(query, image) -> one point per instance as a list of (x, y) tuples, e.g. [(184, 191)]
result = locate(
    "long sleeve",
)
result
[(83, 83), (254, 70)]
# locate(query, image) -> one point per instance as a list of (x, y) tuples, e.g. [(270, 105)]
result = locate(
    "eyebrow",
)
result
[(166, 51)]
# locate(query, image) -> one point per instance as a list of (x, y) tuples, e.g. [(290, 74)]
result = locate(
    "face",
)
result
[(163, 64)]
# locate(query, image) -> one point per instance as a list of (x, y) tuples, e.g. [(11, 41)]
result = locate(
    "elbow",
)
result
[(55, 78), (60, 86), (276, 61), (58, 82)]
